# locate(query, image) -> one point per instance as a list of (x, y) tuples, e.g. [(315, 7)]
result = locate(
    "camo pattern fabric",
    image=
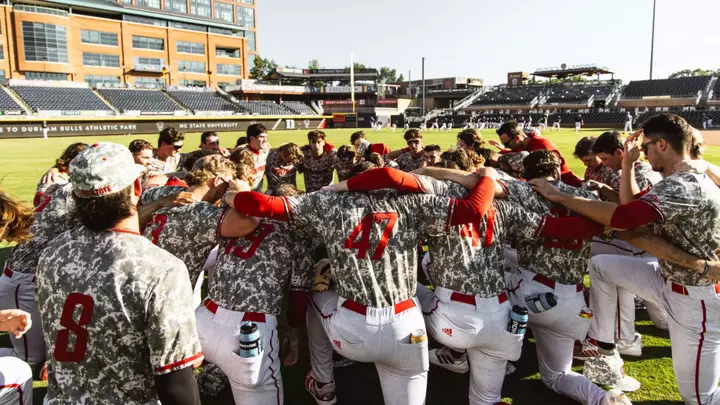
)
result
[(407, 163), (372, 238), (603, 370), (253, 272), (54, 215), (343, 167), (170, 165), (645, 177), (563, 261), (189, 232), (260, 158), (689, 204), (277, 174), (60, 179), (467, 259), (116, 312), (318, 171), (601, 174), (156, 193)]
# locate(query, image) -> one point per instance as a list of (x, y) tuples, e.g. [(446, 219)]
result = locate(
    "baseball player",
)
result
[(319, 160), (556, 123), (363, 147), (544, 121), (450, 124), (406, 125), (371, 241), (432, 154), (578, 123), (443, 127), (58, 174), (685, 209), (413, 156), (116, 310), (394, 126), (167, 158), (259, 146), (595, 171), (628, 122), (282, 166), (190, 232)]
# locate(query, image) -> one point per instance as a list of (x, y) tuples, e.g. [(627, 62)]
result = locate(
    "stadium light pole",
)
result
[(652, 40), (352, 82), (423, 86)]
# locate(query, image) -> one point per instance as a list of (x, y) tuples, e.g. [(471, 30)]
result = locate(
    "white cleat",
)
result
[(443, 358), (630, 347)]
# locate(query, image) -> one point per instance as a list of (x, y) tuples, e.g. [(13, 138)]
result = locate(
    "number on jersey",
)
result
[(158, 224), (363, 230), (256, 238), (77, 353)]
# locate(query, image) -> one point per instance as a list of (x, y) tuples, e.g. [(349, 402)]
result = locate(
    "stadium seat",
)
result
[(145, 101), (7, 104), (266, 108), (680, 87), (204, 101), (60, 98), (299, 107)]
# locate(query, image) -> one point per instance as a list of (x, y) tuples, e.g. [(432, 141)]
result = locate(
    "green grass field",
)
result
[(23, 161)]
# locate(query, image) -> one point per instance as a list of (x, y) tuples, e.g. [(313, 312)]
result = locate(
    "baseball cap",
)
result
[(609, 371), (103, 168)]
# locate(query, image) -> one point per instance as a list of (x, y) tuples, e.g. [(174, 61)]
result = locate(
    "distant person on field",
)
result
[(556, 123), (628, 122), (58, 174), (578, 123)]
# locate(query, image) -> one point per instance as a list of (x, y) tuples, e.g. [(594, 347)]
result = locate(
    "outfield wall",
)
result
[(93, 126)]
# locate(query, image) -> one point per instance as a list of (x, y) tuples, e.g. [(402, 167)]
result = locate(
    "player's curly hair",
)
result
[(15, 219), (361, 167), (313, 136), (63, 162), (105, 212), (486, 153), (192, 157), (459, 159), (292, 152), (346, 153), (139, 145), (169, 136), (697, 148), (244, 165), (540, 164), (209, 167), (471, 137), (286, 190), (376, 159), (413, 133)]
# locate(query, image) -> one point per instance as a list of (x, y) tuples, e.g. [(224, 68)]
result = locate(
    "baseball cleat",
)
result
[(324, 395), (630, 347), (443, 358), (608, 370), (616, 397), (586, 350)]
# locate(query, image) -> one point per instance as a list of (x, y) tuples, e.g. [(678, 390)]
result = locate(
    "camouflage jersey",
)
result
[(253, 272), (371, 238), (169, 165), (689, 207), (156, 193), (564, 261), (601, 174), (318, 171), (260, 158), (645, 177), (277, 175), (116, 312), (343, 168), (54, 215), (468, 259), (407, 163)]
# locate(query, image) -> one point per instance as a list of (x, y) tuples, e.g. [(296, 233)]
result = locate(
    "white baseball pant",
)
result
[(543, 126), (625, 318), (15, 382), (577, 127), (256, 380), (628, 126), (382, 336), (479, 328), (555, 125), (17, 291), (555, 332), (694, 319)]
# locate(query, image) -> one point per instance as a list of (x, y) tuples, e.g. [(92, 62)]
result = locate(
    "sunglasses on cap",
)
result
[(177, 147)]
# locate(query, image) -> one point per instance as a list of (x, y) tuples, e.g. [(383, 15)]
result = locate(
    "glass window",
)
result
[(200, 7), (224, 11), (145, 20), (44, 42), (155, 44), (231, 70), (248, 1), (178, 6), (42, 10), (186, 26), (127, 1), (95, 79), (251, 62), (250, 36), (2, 53), (99, 38), (193, 83), (191, 66), (45, 76), (2, 74), (101, 59), (148, 3), (246, 17), (191, 47), (227, 52), (149, 82), (224, 84)]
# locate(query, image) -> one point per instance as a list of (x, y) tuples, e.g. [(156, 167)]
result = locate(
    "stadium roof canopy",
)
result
[(563, 71), (325, 74)]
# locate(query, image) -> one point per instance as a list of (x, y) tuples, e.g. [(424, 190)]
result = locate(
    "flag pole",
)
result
[(352, 81)]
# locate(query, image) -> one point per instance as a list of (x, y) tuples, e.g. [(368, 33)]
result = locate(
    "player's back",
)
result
[(115, 311)]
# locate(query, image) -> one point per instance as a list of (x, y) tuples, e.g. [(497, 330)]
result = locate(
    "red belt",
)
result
[(470, 299), (551, 283), (362, 309), (681, 289), (249, 316), (9, 273)]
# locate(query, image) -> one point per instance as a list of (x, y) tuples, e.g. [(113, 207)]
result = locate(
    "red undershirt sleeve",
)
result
[(635, 214), (385, 177), (570, 178), (256, 204), (476, 204)]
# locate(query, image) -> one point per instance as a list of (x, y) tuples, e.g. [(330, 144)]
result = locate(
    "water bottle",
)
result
[(249, 340), (518, 320), (541, 303)]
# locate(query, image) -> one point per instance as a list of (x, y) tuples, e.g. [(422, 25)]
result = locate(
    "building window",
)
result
[(224, 11), (230, 70), (186, 26), (143, 64), (250, 36), (191, 47), (148, 3), (222, 85), (149, 82), (155, 44), (42, 10), (2, 53), (44, 42), (93, 80), (193, 83), (178, 6), (145, 20), (99, 38), (127, 1), (251, 62), (191, 66), (248, 1), (100, 59), (45, 76), (200, 7), (227, 52), (246, 17)]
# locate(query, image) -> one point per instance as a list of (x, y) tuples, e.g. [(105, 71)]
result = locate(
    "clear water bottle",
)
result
[(249, 340), (517, 324), (541, 303)]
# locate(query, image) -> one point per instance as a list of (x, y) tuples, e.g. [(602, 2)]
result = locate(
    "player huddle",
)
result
[(111, 269)]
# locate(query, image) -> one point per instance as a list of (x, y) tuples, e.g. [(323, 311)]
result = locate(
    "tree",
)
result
[(691, 73), (263, 68), (387, 75), (401, 78), (314, 64)]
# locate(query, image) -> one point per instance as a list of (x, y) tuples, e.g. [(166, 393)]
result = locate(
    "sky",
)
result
[(486, 39)]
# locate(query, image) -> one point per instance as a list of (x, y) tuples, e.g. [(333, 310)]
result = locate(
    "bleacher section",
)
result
[(201, 101), (299, 107), (60, 98), (266, 108), (684, 87), (144, 101), (567, 95), (507, 96), (8, 105)]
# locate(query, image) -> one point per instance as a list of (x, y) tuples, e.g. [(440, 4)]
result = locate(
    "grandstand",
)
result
[(143, 101), (8, 106), (65, 99), (204, 101)]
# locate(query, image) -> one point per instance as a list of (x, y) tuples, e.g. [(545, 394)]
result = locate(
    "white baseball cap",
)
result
[(103, 168)]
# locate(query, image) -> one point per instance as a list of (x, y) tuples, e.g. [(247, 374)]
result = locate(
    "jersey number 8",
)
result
[(77, 353)]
